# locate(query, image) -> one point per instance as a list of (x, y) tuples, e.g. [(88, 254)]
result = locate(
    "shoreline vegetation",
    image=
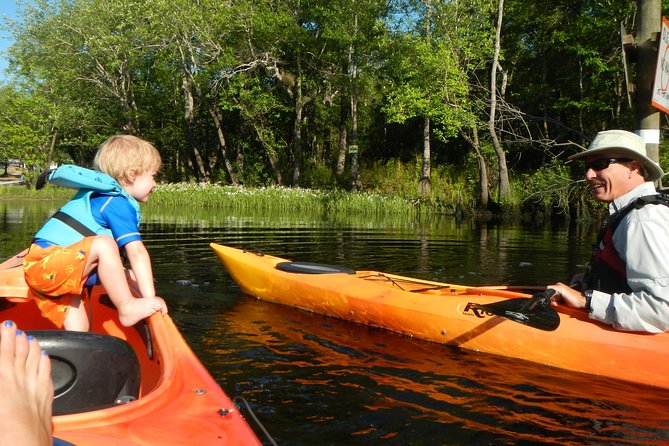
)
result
[(241, 198), (279, 198)]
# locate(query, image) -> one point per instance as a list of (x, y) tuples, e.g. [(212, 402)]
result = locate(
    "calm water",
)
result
[(313, 380)]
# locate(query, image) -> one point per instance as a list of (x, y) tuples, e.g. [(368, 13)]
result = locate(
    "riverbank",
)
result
[(237, 197), (216, 196), (12, 175)]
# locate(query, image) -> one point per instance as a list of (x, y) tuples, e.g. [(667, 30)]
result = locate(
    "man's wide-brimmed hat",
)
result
[(625, 144)]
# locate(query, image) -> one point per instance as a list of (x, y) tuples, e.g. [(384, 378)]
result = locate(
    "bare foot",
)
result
[(137, 309), (26, 389)]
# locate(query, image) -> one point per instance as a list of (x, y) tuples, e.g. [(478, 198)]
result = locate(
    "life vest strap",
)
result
[(74, 224)]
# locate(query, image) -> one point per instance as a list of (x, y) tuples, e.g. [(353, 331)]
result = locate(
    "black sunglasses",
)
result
[(603, 163)]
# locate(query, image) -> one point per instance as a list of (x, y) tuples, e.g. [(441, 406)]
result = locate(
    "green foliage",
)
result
[(449, 184), (664, 155), (390, 177), (26, 129), (428, 82), (320, 177), (574, 49), (549, 187), (50, 192), (548, 190), (231, 85)]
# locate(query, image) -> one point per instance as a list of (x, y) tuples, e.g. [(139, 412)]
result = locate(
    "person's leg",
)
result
[(55, 278), (26, 389), (104, 255), (77, 318)]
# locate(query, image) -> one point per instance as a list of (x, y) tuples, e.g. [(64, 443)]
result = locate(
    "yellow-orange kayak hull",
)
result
[(449, 314)]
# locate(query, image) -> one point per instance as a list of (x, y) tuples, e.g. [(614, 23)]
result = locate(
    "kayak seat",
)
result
[(312, 268), (90, 371)]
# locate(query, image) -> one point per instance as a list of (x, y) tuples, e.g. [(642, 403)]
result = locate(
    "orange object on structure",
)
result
[(451, 314), (116, 385)]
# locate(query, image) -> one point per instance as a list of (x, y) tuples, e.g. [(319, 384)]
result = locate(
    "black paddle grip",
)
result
[(542, 299)]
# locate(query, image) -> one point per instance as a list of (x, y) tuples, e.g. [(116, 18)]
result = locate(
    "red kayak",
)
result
[(115, 385)]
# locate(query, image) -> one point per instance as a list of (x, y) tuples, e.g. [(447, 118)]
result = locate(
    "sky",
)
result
[(7, 9)]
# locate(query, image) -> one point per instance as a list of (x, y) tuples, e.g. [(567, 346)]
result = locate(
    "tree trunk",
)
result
[(484, 192), (218, 119), (425, 183), (355, 174), (52, 146), (504, 188), (646, 116), (343, 139), (297, 126), (355, 171), (133, 118), (194, 158), (271, 156)]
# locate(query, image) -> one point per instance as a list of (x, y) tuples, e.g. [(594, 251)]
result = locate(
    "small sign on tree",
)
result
[(660, 97)]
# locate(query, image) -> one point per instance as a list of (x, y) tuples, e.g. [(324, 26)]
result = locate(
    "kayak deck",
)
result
[(451, 314)]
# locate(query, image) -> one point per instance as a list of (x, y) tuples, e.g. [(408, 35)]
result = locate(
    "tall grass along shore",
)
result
[(242, 198)]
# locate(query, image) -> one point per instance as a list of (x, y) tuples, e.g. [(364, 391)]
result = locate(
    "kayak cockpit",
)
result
[(107, 366)]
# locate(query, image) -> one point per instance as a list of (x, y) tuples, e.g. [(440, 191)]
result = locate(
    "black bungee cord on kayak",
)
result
[(240, 400)]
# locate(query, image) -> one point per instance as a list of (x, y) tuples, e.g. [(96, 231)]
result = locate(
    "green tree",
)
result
[(350, 34), (565, 67), (82, 56), (27, 130), (428, 81)]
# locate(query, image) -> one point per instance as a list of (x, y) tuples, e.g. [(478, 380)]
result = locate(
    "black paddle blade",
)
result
[(540, 316)]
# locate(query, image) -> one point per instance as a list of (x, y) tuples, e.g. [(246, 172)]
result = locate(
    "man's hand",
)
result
[(568, 295)]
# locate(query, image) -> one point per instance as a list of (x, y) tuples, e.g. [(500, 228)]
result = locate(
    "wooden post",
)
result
[(647, 117)]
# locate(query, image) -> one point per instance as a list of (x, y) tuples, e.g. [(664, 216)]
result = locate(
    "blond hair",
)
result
[(122, 155)]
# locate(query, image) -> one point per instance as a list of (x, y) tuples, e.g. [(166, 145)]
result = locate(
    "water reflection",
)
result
[(314, 380), (332, 376)]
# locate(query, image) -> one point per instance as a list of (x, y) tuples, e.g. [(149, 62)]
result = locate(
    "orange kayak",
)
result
[(453, 314), (126, 386)]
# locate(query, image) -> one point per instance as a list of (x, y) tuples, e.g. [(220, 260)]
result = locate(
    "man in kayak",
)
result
[(83, 242), (627, 283)]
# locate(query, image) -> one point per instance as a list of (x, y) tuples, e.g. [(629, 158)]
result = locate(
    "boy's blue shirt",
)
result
[(117, 214)]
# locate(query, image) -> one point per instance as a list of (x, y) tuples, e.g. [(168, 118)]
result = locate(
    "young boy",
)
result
[(82, 243)]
